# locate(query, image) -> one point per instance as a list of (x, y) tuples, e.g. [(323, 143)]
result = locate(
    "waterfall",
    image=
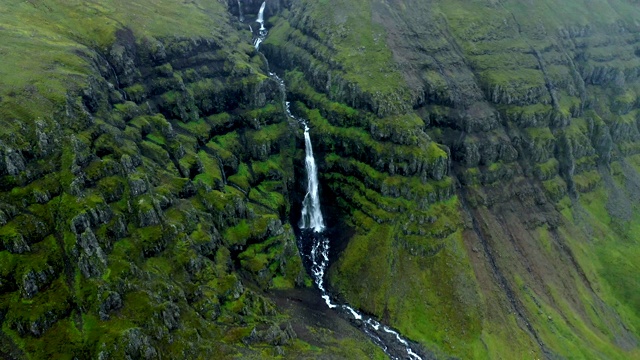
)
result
[(312, 226), (260, 18), (262, 32), (240, 15), (311, 214), (312, 219)]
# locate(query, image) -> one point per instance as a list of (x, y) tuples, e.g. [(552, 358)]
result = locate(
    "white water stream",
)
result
[(312, 226), (262, 32), (311, 214), (240, 14), (312, 221)]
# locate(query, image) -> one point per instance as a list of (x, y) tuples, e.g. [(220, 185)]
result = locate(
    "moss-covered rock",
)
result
[(479, 155)]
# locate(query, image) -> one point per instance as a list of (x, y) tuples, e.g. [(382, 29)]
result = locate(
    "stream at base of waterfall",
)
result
[(312, 230)]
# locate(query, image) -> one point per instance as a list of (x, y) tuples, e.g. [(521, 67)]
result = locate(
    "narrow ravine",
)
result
[(313, 231)]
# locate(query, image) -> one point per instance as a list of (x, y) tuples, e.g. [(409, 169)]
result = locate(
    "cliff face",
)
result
[(146, 168), (484, 154), (480, 160)]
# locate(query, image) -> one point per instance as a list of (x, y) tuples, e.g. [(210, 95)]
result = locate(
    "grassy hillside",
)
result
[(480, 159), (145, 178), (533, 106), (48, 46)]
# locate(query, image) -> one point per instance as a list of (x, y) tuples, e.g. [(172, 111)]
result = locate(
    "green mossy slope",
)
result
[(146, 173), (481, 155), (532, 108)]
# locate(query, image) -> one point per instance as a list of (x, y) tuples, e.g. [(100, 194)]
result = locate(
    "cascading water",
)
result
[(312, 222), (262, 32), (260, 18), (311, 214), (240, 15), (312, 226)]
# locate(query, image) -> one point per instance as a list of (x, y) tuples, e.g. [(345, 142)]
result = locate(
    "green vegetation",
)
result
[(121, 233), (479, 160), (411, 278), (60, 36), (556, 80), (357, 44)]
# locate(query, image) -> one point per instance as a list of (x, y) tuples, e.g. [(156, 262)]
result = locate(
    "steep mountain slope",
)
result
[(146, 167), (485, 155), (480, 164)]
